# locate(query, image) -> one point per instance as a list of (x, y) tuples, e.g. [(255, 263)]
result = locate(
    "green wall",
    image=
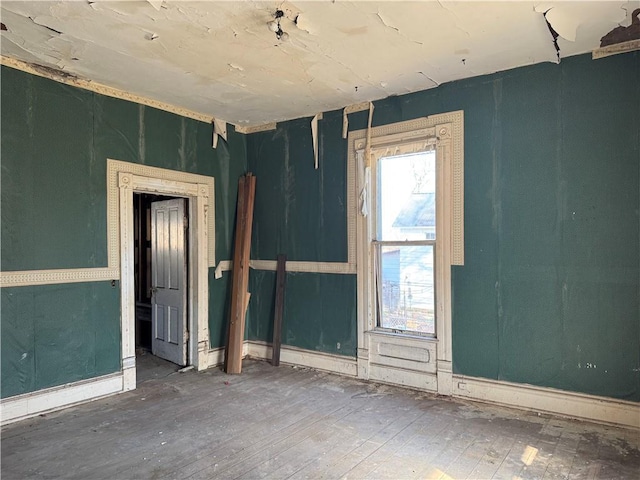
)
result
[(319, 311), (301, 212), (54, 334), (55, 140), (549, 293)]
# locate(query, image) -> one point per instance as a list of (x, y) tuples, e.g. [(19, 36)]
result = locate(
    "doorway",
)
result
[(123, 181), (160, 276)]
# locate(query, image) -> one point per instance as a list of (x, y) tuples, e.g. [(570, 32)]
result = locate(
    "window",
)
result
[(407, 182), (405, 242)]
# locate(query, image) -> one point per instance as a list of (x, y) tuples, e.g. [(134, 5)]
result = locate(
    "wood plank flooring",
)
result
[(296, 423)]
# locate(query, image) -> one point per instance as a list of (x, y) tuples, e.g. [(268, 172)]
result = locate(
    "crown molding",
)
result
[(70, 79), (257, 128), (624, 47)]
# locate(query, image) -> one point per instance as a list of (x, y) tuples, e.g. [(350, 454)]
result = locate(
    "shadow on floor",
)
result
[(150, 367)]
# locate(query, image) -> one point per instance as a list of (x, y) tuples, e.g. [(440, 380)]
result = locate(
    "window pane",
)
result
[(406, 287), (406, 197)]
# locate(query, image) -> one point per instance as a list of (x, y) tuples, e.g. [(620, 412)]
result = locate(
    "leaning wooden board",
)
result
[(281, 277), (240, 276)]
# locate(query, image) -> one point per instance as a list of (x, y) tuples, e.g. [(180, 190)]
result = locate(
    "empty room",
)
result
[(320, 239)]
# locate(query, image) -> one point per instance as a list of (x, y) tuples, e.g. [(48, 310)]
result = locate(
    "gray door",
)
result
[(169, 278)]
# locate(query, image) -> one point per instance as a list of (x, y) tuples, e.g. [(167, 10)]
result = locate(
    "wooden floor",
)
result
[(286, 423)]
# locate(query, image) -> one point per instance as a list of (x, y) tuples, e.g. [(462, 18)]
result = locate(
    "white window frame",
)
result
[(378, 154), (402, 358)]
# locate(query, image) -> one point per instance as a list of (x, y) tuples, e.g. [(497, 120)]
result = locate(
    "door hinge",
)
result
[(186, 222), (186, 336)]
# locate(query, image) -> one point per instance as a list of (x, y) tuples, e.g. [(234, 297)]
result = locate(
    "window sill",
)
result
[(409, 336)]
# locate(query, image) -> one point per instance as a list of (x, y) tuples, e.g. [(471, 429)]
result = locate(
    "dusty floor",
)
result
[(289, 422)]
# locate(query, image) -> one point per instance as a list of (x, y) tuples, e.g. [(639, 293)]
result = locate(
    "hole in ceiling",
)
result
[(623, 34), (274, 26)]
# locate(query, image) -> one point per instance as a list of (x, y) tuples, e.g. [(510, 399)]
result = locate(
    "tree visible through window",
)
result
[(405, 242)]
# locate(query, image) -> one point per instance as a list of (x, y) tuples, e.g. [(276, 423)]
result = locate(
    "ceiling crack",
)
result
[(385, 23), (429, 78), (396, 29), (44, 26), (353, 71), (444, 7), (554, 34), (457, 18)]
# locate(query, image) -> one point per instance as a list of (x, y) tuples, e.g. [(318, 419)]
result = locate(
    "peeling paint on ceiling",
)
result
[(221, 59)]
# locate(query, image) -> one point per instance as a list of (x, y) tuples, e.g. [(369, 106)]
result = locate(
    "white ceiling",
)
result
[(220, 59)]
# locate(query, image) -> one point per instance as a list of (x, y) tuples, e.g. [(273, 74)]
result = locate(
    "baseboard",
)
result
[(528, 397), (305, 358), (20, 407), (403, 377), (216, 357), (549, 400)]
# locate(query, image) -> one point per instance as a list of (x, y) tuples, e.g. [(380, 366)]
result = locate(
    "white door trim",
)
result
[(200, 195)]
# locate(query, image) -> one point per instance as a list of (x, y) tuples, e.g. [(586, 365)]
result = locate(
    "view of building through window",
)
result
[(405, 242)]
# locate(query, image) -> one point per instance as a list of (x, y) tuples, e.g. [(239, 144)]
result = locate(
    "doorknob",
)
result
[(152, 290)]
